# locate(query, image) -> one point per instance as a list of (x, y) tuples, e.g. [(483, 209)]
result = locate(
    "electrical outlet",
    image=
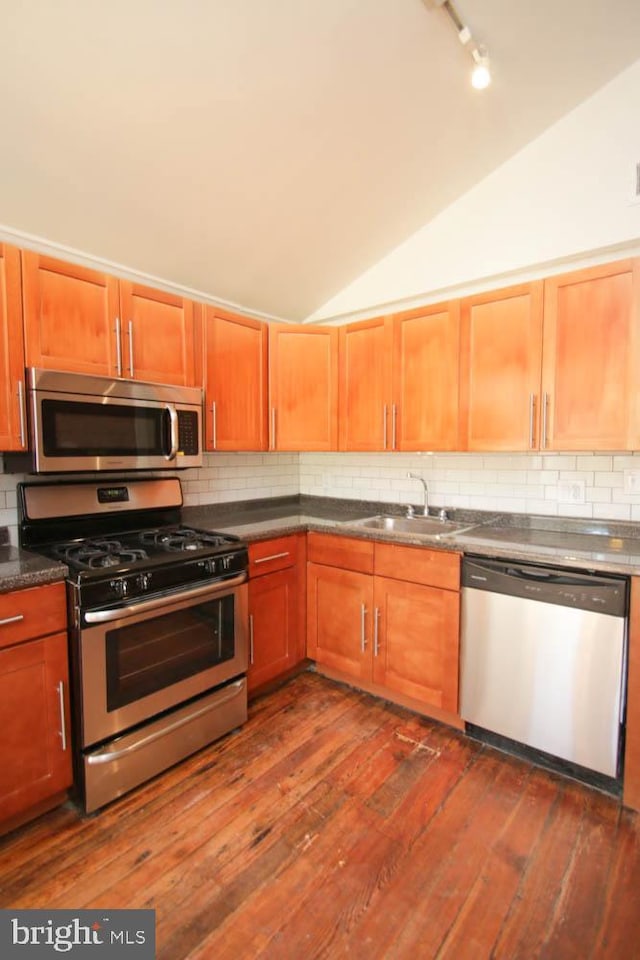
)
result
[(571, 491), (635, 183), (632, 482)]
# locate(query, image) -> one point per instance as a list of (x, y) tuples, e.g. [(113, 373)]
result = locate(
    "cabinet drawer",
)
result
[(270, 555), (340, 552), (25, 614), (435, 568)]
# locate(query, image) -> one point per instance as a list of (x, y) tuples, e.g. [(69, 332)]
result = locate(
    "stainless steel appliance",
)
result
[(82, 423), (543, 655), (158, 625)]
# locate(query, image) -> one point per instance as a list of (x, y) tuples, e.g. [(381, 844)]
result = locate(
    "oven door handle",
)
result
[(108, 754), (173, 429), (105, 616)]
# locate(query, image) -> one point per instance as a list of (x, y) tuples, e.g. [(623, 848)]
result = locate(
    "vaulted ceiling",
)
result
[(267, 152)]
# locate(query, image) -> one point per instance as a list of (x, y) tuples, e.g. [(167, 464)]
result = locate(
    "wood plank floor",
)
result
[(335, 825)]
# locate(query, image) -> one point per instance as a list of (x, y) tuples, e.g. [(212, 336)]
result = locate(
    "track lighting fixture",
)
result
[(480, 74)]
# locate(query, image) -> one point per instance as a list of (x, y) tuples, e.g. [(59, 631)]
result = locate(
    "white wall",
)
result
[(566, 195)]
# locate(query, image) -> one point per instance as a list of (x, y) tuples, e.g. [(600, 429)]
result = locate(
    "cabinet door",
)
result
[(273, 626), (365, 385), (591, 358), (70, 316), (303, 386), (12, 409), (158, 335), (235, 381), (416, 642), (500, 369), (35, 754), (425, 374), (339, 619)]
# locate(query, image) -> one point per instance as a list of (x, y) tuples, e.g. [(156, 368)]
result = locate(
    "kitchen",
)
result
[(564, 483)]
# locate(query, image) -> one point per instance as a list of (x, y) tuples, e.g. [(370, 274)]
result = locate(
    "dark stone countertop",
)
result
[(20, 569), (607, 546)]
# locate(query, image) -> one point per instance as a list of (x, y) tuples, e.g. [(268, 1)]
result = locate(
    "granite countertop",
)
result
[(20, 569), (581, 544), (584, 544)]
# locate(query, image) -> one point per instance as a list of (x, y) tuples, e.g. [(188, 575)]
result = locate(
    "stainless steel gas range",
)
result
[(158, 626)]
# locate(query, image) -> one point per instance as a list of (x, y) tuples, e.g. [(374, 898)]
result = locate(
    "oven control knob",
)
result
[(119, 587), (144, 581), (211, 566)]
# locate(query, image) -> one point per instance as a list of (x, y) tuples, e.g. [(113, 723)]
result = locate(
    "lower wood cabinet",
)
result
[(35, 736), (276, 608), (392, 620)]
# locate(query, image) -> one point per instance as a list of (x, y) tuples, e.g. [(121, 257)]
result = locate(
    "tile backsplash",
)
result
[(568, 485)]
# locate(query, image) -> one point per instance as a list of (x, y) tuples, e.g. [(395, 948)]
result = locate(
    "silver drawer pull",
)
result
[(274, 556), (8, 620)]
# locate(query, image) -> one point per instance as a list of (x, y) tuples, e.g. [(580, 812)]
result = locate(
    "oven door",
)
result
[(137, 661)]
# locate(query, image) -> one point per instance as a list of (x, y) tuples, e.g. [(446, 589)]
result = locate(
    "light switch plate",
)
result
[(571, 491), (632, 482)]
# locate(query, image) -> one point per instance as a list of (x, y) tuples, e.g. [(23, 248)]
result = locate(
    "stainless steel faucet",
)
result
[(425, 507)]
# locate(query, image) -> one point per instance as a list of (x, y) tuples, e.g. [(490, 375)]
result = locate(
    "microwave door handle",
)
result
[(173, 427)]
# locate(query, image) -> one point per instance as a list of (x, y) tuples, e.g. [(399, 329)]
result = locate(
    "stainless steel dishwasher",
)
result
[(543, 658)]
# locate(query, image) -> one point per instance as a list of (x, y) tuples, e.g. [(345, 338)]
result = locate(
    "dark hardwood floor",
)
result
[(335, 825)]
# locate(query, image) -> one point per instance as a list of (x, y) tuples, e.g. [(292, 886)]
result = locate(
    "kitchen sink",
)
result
[(416, 526)]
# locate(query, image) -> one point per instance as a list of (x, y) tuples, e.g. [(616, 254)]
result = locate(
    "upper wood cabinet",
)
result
[(303, 387), (70, 316), (365, 407), (235, 381), (158, 328), (89, 322), (500, 363), (425, 378), (591, 359), (12, 408)]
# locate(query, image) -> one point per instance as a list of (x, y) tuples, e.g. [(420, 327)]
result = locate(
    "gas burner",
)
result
[(94, 554), (184, 538)]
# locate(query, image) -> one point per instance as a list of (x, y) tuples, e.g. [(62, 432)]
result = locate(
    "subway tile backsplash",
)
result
[(556, 484)]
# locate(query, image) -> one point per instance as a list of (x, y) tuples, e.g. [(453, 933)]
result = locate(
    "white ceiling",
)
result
[(267, 152)]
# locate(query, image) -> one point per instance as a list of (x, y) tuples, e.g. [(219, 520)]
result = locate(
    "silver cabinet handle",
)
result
[(273, 428), (274, 556), (251, 639), (394, 418), (118, 347), (385, 411), (7, 620), (63, 720), (23, 432), (376, 620), (532, 417), (363, 638), (214, 425), (545, 404), (131, 348)]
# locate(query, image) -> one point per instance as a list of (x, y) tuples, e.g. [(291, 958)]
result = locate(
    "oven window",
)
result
[(153, 654), (72, 429)]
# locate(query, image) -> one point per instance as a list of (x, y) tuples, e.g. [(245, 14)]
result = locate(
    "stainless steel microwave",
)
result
[(84, 423)]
